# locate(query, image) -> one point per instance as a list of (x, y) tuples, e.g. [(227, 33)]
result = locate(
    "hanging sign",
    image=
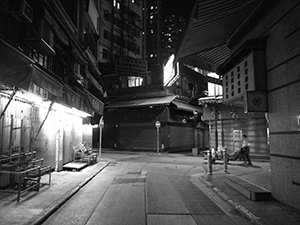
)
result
[(95, 103)]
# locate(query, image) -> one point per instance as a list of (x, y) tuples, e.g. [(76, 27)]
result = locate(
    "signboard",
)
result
[(255, 101), (95, 103), (128, 66), (38, 91)]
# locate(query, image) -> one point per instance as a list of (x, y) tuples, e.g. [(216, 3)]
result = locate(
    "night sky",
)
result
[(178, 7)]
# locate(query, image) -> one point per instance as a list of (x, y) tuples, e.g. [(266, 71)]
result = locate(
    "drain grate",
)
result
[(113, 163), (128, 180), (133, 172)]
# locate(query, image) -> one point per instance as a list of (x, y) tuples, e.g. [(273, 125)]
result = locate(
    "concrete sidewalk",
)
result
[(259, 212), (39, 205), (35, 208)]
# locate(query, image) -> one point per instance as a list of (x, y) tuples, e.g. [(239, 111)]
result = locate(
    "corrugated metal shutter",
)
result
[(254, 128), (141, 136), (181, 137)]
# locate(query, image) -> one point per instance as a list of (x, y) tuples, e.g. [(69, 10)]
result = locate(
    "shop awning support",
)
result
[(9, 101), (42, 124)]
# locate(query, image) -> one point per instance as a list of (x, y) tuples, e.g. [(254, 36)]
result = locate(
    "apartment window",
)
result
[(106, 15), (105, 34), (117, 4), (105, 53), (135, 81)]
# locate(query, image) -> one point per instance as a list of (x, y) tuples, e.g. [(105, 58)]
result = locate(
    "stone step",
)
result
[(248, 189)]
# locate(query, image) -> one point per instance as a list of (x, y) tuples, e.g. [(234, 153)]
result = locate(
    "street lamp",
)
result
[(101, 125), (157, 124)]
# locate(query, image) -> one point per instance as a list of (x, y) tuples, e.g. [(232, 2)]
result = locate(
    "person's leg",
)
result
[(247, 155)]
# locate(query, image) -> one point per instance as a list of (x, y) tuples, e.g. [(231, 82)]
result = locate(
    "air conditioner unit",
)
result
[(21, 10)]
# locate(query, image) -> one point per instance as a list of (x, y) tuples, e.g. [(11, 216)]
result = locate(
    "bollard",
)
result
[(225, 159), (209, 162)]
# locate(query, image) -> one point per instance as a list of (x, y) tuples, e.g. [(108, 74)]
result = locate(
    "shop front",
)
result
[(40, 117), (131, 125)]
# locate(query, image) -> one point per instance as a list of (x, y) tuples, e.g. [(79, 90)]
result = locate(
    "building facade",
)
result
[(172, 32), (257, 56), (276, 37), (153, 21), (50, 82), (121, 45)]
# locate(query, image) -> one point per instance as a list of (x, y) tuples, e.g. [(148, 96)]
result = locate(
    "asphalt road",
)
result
[(147, 189)]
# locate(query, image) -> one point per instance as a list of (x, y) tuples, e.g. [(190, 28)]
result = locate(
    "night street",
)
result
[(147, 189)]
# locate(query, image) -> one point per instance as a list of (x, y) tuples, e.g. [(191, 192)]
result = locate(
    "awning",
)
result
[(96, 104), (166, 100), (94, 81), (16, 69), (45, 81), (210, 27)]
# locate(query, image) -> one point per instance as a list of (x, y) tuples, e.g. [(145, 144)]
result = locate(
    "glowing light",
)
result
[(169, 71), (72, 111), (39, 101)]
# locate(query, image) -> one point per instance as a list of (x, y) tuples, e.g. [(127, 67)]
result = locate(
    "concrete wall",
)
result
[(281, 27)]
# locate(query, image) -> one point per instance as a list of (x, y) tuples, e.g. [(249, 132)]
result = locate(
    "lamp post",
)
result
[(215, 113), (195, 150), (101, 125), (157, 124)]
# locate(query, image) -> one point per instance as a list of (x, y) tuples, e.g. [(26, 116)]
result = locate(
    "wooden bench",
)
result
[(83, 153)]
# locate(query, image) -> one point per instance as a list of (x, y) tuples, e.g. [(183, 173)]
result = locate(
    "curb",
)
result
[(58, 203), (241, 209)]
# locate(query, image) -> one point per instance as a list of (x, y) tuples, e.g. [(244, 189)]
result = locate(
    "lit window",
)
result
[(214, 89), (135, 81)]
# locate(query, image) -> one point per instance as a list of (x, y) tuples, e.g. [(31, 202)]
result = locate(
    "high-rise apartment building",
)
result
[(172, 31), (121, 54), (153, 18)]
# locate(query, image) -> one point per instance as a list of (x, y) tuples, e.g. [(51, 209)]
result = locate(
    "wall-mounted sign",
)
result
[(255, 101)]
